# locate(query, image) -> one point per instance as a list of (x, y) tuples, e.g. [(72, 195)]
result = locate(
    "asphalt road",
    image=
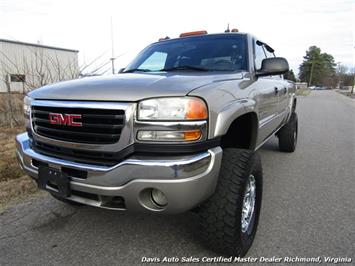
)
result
[(308, 207)]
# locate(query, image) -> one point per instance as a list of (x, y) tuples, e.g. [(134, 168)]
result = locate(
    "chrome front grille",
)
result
[(94, 126)]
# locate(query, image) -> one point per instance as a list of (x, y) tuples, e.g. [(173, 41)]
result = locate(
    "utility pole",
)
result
[(352, 88), (112, 50), (353, 85), (339, 74)]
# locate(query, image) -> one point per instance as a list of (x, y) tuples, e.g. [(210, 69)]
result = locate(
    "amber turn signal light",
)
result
[(192, 135), (196, 109)]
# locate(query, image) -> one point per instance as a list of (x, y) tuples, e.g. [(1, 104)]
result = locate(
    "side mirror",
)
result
[(273, 66), (121, 70)]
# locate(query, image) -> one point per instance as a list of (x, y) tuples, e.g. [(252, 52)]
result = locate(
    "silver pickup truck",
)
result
[(176, 130)]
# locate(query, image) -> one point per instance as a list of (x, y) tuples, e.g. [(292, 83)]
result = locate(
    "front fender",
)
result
[(226, 101), (231, 112)]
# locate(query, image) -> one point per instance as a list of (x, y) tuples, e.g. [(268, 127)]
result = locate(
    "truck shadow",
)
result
[(271, 145), (149, 235)]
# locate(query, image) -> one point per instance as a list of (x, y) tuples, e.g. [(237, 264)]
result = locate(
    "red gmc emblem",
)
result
[(64, 119)]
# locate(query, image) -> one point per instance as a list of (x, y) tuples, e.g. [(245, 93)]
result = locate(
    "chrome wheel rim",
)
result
[(248, 204)]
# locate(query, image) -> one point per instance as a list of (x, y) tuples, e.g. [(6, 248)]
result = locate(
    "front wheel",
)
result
[(229, 219)]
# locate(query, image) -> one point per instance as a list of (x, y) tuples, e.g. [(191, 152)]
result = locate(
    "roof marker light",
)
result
[(193, 33)]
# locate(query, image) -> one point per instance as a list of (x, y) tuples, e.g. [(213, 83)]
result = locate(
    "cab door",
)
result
[(281, 85), (266, 92), (283, 98)]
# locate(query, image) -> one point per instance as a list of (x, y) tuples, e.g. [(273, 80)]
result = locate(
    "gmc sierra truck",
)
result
[(178, 129)]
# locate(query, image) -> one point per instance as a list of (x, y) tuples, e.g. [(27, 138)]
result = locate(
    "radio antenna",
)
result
[(112, 50), (227, 30)]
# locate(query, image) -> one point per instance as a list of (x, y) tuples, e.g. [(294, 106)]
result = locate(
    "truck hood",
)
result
[(130, 86)]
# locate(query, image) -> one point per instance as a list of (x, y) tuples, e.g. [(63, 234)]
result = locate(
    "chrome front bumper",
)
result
[(185, 180)]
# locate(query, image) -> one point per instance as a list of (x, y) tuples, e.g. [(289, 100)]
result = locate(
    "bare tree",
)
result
[(39, 69)]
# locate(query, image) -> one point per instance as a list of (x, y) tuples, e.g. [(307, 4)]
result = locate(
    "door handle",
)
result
[(276, 89)]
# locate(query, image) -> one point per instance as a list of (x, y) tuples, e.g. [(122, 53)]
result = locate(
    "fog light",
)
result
[(159, 198)]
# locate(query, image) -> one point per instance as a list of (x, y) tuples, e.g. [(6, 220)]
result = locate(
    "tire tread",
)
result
[(219, 216)]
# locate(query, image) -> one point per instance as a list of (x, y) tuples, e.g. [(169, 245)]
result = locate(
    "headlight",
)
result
[(174, 108), (27, 106), (186, 116)]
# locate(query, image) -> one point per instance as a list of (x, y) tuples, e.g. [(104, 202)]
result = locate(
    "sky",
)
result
[(289, 26)]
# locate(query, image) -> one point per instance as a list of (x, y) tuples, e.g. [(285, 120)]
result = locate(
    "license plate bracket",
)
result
[(54, 181)]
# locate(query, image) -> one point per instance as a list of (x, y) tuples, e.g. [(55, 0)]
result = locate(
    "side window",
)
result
[(155, 61), (17, 78), (259, 54)]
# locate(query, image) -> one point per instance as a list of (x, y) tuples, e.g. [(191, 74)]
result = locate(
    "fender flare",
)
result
[(230, 113), (291, 106)]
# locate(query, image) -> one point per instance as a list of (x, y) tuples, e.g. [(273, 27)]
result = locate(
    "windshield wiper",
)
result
[(196, 68), (136, 70)]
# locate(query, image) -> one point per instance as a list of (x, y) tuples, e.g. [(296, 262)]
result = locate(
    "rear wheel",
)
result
[(229, 219), (288, 135)]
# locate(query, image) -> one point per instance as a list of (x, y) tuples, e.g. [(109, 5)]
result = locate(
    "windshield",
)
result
[(224, 52)]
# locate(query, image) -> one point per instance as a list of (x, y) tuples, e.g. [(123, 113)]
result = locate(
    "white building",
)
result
[(301, 85), (25, 66)]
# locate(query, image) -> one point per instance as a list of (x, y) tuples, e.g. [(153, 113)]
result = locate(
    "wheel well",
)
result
[(294, 105), (241, 133)]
